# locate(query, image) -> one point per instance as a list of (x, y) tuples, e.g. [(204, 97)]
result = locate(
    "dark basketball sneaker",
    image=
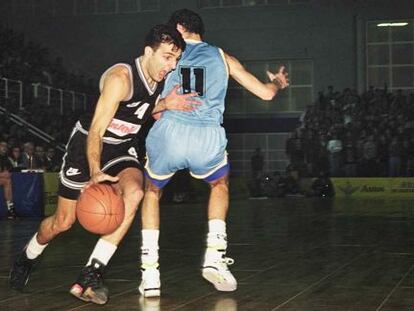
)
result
[(11, 214), (20, 271), (90, 286)]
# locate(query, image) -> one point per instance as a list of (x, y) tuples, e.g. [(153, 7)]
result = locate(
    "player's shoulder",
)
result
[(119, 72), (211, 46), (122, 70)]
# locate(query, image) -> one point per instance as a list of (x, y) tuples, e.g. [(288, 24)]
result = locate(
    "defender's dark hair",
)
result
[(164, 34), (190, 20)]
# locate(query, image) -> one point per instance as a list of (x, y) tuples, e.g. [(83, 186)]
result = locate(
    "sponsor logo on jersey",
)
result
[(132, 105), (72, 171), (123, 128)]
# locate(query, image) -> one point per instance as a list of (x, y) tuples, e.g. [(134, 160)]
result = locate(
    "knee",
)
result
[(132, 198), (222, 183), (153, 190)]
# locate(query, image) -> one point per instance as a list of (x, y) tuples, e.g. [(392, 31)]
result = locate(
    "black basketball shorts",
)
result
[(74, 173)]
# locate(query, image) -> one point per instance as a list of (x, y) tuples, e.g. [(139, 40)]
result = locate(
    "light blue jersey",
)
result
[(194, 140), (202, 69)]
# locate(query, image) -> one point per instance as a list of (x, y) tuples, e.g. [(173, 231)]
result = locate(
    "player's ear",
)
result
[(181, 29), (148, 51)]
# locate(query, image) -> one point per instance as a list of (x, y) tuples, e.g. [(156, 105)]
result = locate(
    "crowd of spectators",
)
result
[(347, 134), (16, 157)]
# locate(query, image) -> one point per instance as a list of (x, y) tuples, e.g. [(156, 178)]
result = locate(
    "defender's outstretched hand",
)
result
[(280, 78), (183, 102)]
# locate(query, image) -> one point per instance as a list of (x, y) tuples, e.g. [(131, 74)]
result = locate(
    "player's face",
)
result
[(163, 60)]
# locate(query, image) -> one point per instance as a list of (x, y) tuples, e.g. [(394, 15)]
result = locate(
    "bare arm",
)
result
[(115, 89), (265, 91)]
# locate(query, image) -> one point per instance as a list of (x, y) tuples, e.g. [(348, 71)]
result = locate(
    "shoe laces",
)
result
[(226, 261), (92, 277)]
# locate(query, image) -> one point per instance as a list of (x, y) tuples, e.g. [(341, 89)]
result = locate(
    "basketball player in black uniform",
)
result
[(101, 149)]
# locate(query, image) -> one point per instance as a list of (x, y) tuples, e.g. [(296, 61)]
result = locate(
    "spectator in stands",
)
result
[(15, 158), (295, 147), (322, 160), (335, 155), (410, 158), (40, 157), (382, 150), (29, 161), (350, 156), (5, 179), (369, 157), (52, 162), (405, 155), (394, 160)]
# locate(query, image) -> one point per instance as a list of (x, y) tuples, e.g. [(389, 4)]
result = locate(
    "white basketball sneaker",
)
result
[(215, 270), (150, 284)]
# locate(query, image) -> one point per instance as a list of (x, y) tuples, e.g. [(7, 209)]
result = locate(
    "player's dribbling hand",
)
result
[(280, 78), (99, 177), (182, 102)]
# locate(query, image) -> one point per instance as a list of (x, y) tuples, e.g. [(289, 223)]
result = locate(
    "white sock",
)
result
[(149, 248), (217, 225), (103, 251), (10, 205), (34, 249), (216, 239)]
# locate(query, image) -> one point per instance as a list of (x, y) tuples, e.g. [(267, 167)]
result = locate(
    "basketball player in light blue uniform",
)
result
[(197, 141), (192, 140)]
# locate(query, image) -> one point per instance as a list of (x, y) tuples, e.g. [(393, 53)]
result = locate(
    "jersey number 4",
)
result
[(187, 73)]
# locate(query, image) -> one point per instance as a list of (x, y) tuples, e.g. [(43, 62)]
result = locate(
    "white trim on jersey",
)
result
[(220, 165), (192, 41), (71, 184), (131, 77), (155, 176), (66, 182), (225, 62), (143, 79), (117, 160)]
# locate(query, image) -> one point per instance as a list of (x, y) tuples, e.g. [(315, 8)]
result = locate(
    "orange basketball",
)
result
[(100, 209)]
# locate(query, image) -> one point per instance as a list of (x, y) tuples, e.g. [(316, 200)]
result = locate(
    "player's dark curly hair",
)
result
[(164, 33), (190, 20)]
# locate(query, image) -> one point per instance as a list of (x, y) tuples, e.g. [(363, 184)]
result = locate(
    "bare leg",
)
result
[(50, 227), (7, 185), (90, 286), (61, 221), (215, 268), (130, 186), (150, 216), (218, 204), (150, 213)]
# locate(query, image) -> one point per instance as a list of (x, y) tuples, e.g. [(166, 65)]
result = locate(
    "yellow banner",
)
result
[(51, 184), (373, 187)]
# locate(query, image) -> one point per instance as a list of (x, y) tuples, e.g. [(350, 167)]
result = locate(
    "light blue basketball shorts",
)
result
[(173, 145)]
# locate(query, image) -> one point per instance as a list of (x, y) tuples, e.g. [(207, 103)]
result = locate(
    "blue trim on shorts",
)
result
[(156, 182), (222, 171)]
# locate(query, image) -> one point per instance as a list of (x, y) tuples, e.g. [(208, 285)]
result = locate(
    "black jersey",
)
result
[(132, 114)]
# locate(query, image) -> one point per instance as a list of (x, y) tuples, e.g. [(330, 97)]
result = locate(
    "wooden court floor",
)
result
[(290, 254)]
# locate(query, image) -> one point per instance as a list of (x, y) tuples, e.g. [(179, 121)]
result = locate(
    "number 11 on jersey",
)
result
[(195, 74)]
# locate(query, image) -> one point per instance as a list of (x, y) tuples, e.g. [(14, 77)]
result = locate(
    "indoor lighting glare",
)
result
[(392, 24)]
